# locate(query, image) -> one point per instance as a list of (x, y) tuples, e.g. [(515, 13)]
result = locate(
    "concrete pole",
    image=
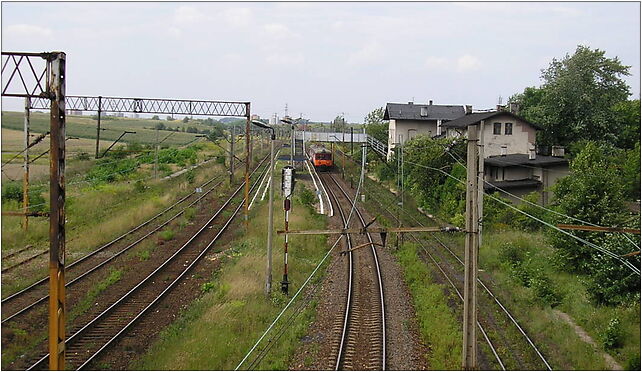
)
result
[(25, 180), (292, 147), (268, 279), (247, 164), (469, 349), (480, 180)]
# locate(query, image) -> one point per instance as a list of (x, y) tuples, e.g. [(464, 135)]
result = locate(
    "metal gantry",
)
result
[(41, 76)]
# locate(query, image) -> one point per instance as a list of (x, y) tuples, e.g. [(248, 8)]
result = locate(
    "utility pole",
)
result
[(268, 280), (469, 349), (156, 161), (292, 141), (480, 180), (232, 156), (351, 141), (57, 214), (100, 98), (25, 180), (247, 163)]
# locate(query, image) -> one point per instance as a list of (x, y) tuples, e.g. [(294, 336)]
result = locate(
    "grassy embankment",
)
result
[(88, 227), (218, 330), (98, 213), (557, 340), (85, 127)]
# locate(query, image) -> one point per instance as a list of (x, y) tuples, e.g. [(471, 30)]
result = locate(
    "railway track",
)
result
[(360, 342), (120, 238), (86, 342), (544, 364), (36, 294)]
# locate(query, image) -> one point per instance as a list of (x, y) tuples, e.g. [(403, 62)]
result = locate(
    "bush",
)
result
[(190, 175), (82, 156), (543, 289), (139, 186), (190, 213), (166, 235), (307, 197), (633, 364), (612, 336), (12, 191)]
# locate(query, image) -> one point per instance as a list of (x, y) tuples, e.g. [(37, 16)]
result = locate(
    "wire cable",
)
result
[(288, 304)]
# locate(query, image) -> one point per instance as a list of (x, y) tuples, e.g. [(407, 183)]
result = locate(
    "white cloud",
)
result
[(27, 30), (279, 31), (434, 63), (175, 31), (468, 63), (239, 17), (370, 52), (285, 59), (187, 15)]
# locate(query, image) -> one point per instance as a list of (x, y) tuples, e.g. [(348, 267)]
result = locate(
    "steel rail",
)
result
[(379, 279), (378, 276), (344, 328), (92, 324), (488, 291), (102, 248)]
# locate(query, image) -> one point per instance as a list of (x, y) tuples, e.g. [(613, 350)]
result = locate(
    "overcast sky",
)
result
[(321, 58)]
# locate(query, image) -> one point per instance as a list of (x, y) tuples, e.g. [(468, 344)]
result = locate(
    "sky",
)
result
[(322, 59)]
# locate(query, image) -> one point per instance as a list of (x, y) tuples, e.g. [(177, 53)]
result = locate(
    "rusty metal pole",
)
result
[(247, 163), (25, 180), (100, 99), (469, 349), (232, 156), (57, 214)]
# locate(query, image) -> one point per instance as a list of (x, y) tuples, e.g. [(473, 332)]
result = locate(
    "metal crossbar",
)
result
[(150, 106), (27, 75)]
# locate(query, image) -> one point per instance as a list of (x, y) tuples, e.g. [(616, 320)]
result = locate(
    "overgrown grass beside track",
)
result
[(218, 330), (530, 288)]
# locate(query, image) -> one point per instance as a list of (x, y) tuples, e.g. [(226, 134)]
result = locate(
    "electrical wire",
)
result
[(592, 245), (288, 304)]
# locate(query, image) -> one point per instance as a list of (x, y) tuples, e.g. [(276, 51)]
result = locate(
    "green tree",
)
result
[(160, 126), (155, 117), (376, 126), (186, 119), (577, 98), (594, 192), (626, 124)]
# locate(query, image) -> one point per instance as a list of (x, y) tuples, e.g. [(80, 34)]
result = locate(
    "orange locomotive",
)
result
[(321, 157)]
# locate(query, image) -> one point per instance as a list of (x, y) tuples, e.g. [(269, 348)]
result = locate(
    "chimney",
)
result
[(503, 149), (558, 151), (531, 154), (430, 102), (469, 109), (410, 102), (500, 108)]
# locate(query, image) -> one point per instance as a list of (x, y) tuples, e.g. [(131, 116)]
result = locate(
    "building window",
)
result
[(497, 128), (509, 129)]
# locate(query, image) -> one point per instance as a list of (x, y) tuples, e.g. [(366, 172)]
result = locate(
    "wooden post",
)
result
[(57, 214), (25, 180), (469, 349)]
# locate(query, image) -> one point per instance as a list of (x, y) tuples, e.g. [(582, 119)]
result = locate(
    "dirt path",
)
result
[(581, 333)]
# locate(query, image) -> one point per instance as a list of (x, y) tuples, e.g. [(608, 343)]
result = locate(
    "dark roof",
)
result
[(476, 117), (411, 111), (513, 160), (512, 184)]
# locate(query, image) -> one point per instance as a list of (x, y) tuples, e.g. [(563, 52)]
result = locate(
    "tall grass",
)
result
[(219, 328)]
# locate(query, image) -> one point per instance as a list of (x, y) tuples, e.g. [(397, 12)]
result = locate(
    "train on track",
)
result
[(321, 157)]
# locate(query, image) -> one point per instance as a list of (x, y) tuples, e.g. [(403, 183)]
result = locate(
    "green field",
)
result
[(85, 127)]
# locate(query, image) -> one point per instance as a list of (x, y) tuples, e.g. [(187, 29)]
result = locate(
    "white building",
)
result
[(409, 120)]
